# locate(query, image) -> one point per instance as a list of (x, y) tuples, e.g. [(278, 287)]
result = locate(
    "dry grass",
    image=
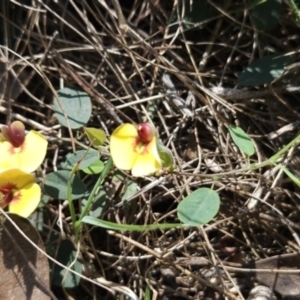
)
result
[(125, 64)]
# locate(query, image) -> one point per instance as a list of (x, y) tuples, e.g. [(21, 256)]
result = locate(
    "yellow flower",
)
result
[(19, 192), (134, 148), (19, 150)]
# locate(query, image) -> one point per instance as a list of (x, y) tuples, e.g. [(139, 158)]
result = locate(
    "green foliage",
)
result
[(99, 202), (96, 136), (66, 255), (147, 293), (121, 227), (200, 12), (294, 6), (199, 207), (264, 70), (130, 189), (291, 176), (242, 140), (82, 159), (266, 15), (75, 104), (165, 155), (56, 185), (95, 168)]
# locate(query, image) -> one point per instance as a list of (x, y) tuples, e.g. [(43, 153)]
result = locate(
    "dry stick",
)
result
[(110, 109), (165, 63), (175, 99), (237, 94), (160, 257)]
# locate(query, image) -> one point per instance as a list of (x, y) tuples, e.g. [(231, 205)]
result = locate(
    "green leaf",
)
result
[(294, 5), (266, 15), (295, 179), (66, 255), (200, 12), (98, 204), (56, 185), (255, 3), (117, 226), (84, 158), (95, 168), (199, 207), (77, 106), (264, 70), (147, 293), (117, 176), (96, 136), (165, 155), (130, 189), (242, 140)]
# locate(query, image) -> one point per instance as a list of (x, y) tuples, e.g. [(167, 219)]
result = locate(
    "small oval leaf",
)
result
[(264, 70), (98, 203), (266, 15), (84, 159), (199, 207), (66, 255), (56, 185), (130, 189), (242, 140), (96, 136), (95, 168), (77, 106)]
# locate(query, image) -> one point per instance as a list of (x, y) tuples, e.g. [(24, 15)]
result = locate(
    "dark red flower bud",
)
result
[(146, 132), (14, 133)]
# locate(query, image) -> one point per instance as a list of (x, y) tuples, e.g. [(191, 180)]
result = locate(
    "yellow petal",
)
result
[(148, 162), (28, 157), (16, 177), (125, 130), (122, 144), (33, 153), (29, 200), (7, 158)]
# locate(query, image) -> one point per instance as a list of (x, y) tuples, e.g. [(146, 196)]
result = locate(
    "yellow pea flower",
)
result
[(134, 148), (19, 150), (19, 192)]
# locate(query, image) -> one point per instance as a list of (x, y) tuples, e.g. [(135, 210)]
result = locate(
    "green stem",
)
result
[(69, 193), (90, 200), (275, 157), (295, 10)]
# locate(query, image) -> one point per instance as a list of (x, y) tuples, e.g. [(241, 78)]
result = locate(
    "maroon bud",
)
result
[(14, 133), (146, 132)]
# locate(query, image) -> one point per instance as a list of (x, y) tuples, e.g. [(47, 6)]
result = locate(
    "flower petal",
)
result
[(122, 143), (126, 130), (34, 151), (29, 200), (7, 158), (147, 163), (17, 177), (28, 157)]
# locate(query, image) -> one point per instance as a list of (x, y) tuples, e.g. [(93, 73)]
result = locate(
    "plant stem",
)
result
[(89, 203)]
